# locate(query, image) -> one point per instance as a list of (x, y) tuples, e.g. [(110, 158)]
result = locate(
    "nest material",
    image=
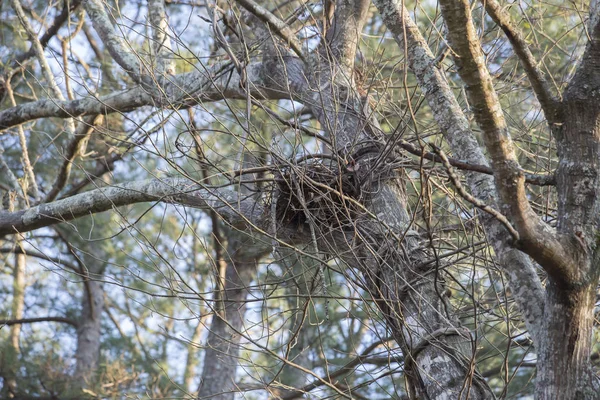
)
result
[(325, 193)]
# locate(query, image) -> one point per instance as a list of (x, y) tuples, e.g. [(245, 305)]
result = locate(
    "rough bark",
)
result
[(221, 355), (184, 90), (564, 368), (10, 360), (440, 353), (522, 276), (180, 191), (89, 334), (554, 253)]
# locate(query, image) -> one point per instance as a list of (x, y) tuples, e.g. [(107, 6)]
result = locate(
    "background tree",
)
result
[(299, 198)]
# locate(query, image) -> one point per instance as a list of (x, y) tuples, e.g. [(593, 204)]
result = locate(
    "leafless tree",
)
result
[(373, 197)]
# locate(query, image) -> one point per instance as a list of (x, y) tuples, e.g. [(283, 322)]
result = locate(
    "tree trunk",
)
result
[(222, 350), (439, 354), (88, 334), (10, 360), (564, 370)]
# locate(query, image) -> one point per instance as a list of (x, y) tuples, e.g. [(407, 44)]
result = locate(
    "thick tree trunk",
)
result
[(439, 353), (221, 355), (564, 371), (564, 368), (88, 334)]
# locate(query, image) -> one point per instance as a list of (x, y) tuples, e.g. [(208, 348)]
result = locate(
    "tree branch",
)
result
[(541, 88), (74, 149), (456, 130), (177, 191), (280, 28), (41, 256), (534, 179), (52, 30), (9, 322), (118, 49), (536, 238), (217, 83)]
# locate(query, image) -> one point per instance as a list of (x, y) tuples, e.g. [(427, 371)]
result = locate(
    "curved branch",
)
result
[(118, 49), (555, 254), (75, 148), (177, 191)]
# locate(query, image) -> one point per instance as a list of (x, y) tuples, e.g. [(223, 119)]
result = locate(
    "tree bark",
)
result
[(439, 353), (10, 360), (221, 356), (564, 369), (522, 276), (89, 334)]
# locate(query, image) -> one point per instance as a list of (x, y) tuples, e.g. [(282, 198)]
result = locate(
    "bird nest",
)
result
[(323, 192)]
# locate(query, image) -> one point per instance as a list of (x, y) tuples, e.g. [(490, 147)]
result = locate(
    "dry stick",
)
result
[(535, 179), (467, 196)]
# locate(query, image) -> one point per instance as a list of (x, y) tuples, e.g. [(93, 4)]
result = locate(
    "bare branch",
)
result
[(279, 27), (536, 238), (341, 39), (52, 30), (9, 322), (74, 149), (177, 191), (41, 256), (217, 83), (540, 86), (118, 49), (38, 49), (534, 179), (467, 196)]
